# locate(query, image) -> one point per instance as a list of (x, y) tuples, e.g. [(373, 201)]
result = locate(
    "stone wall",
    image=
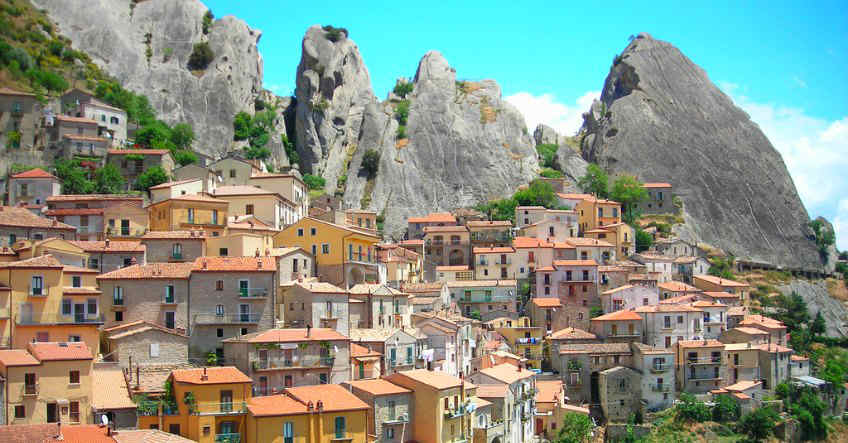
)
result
[(173, 349)]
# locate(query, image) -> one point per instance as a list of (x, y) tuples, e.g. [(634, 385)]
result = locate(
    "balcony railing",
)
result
[(31, 389), (59, 319), (228, 438), (252, 292), (125, 232), (215, 319), (118, 301), (528, 341), (224, 408), (38, 292), (660, 367), (176, 256), (712, 360), (294, 363), (401, 362), (397, 419), (476, 298), (660, 387), (456, 412)]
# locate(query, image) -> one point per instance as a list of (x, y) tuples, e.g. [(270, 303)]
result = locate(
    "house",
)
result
[(525, 340), (531, 254), (390, 408), (677, 247), (239, 244), (108, 255), (611, 277), (233, 170), (556, 226), (485, 299), (575, 283), (446, 274), (250, 224), (571, 200), (77, 137), (551, 407), (156, 293), (735, 314), (620, 235), (449, 342), (494, 262), (20, 119), (717, 284), (18, 223), (714, 322), (517, 409), (416, 225), (731, 300), (580, 365), (382, 307), (594, 213), (125, 221), (66, 251), (448, 245), (230, 296), (32, 187), (660, 264), (318, 304), (799, 366), (439, 405), (145, 344), (620, 390), (207, 177), (685, 268), (774, 364), (403, 266), (398, 348), (189, 213), (701, 365), (291, 187), (660, 199), (208, 405), (665, 324), (672, 289), (628, 297), (47, 302), (294, 263), (111, 121), (545, 312), (591, 249), (169, 190), (110, 396), (742, 362), (618, 327), (529, 215), (174, 246), (86, 212), (47, 383), (657, 368), (323, 414), (133, 162), (344, 256), (566, 336), (775, 328), (281, 358), (743, 334), (490, 233), (747, 394), (364, 362), (268, 206)]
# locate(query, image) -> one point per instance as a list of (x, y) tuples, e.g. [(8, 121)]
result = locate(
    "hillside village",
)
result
[(150, 292)]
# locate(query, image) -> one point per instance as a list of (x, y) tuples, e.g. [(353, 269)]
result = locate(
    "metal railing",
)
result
[(231, 437), (711, 360), (660, 367), (38, 292), (220, 408), (660, 387), (117, 301), (476, 298), (176, 256), (215, 319), (41, 318), (31, 389), (295, 362), (253, 292), (456, 412)]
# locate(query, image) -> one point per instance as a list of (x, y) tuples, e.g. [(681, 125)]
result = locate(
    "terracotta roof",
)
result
[(743, 385), (22, 217), (68, 118), (667, 308), (492, 391), (272, 405), (353, 229), (595, 348), (174, 183), (78, 270), (737, 311), (109, 389), (452, 268), (564, 245), (214, 375), (680, 299), (677, 286), (422, 287), (590, 262), (334, 397), (489, 223), (795, 357), (618, 315), (656, 185), (761, 320), (60, 351), (572, 334), (421, 300), (289, 335), (320, 287), (91, 197), (136, 327), (545, 269), (433, 217), (507, 373), (774, 348), (74, 211), (168, 235), (148, 436), (700, 344), (34, 173), (358, 351), (16, 357), (42, 261), (242, 190), (597, 231), (686, 259), (481, 283), (749, 331), (746, 346), (379, 387), (574, 196), (588, 242), (194, 198), (546, 302), (530, 242), (720, 281), (84, 138), (412, 242), (234, 264), (9, 91), (110, 246), (497, 250), (375, 335), (49, 432), (719, 294), (547, 391), (618, 289), (67, 290), (435, 379), (138, 152), (428, 229), (708, 304), (150, 271)]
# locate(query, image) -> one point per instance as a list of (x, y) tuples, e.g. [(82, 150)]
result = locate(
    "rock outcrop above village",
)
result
[(567, 159), (662, 119), (146, 46), (463, 145)]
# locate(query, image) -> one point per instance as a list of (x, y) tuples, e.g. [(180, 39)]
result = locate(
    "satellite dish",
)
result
[(105, 420)]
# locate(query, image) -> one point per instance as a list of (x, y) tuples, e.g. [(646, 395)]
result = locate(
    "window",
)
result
[(66, 306), (37, 287), (169, 294), (223, 252), (340, 427), (76, 281), (288, 432), (219, 310), (119, 316), (667, 321), (314, 250), (214, 216), (170, 319), (92, 306), (20, 411), (191, 215), (312, 231), (325, 248), (243, 331), (219, 286), (300, 232), (679, 319), (248, 209), (75, 413), (287, 381), (174, 428), (322, 379), (390, 433), (219, 332), (232, 173)]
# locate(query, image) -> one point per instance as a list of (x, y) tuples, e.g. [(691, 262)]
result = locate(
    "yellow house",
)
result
[(211, 405), (308, 414), (440, 413), (239, 245), (525, 340), (50, 301), (268, 206), (592, 213), (289, 186), (47, 383), (65, 251), (621, 235), (125, 221), (344, 256), (189, 212)]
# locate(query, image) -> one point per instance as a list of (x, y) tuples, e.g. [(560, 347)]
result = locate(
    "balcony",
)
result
[(396, 419), (712, 360), (508, 261), (38, 292), (528, 341), (31, 389), (342, 436), (454, 413), (176, 256), (125, 232), (396, 363), (58, 319), (661, 367), (226, 319), (253, 293), (307, 362), (231, 437), (225, 408), (477, 298), (660, 387)]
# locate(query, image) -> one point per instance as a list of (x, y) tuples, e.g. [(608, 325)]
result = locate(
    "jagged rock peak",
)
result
[(546, 135), (434, 71)]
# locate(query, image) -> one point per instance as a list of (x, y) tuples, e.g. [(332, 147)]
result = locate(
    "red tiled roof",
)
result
[(273, 405), (138, 151), (169, 235), (507, 373), (676, 286), (719, 281), (89, 197), (34, 173), (40, 262), (379, 387), (357, 350), (289, 335), (68, 118), (574, 196), (547, 302), (548, 391), (656, 185), (452, 268), (214, 375), (60, 351), (618, 315), (174, 183), (335, 398), (22, 217), (9, 91), (530, 242), (496, 250), (110, 246), (590, 242), (720, 294), (428, 229), (74, 211), (234, 264), (49, 432), (434, 217), (575, 263), (238, 190), (489, 223), (573, 333), (700, 344), (16, 357), (150, 271), (435, 379)]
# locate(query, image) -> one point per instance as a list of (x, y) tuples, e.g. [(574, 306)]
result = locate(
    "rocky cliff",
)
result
[(819, 299), (115, 33), (567, 159), (661, 118)]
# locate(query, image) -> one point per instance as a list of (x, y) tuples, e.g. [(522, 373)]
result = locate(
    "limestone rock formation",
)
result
[(567, 159), (464, 145), (333, 89), (660, 117), (546, 135), (818, 299), (115, 34)]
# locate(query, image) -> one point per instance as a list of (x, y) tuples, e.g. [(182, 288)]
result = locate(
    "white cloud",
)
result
[(799, 81), (814, 152), (565, 118)]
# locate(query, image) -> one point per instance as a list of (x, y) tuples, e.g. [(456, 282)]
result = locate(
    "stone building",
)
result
[(108, 255), (448, 245), (316, 304), (657, 370), (20, 114), (579, 366), (174, 246), (620, 392), (133, 162), (18, 223), (142, 343), (157, 293), (390, 408), (32, 188), (660, 199)]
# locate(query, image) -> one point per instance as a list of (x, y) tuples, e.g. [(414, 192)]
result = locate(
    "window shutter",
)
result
[(154, 349)]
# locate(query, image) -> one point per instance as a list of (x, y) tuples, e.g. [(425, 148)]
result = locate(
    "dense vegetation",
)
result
[(825, 237), (547, 152), (256, 130), (403, 88), (371, 163), (575, 428), (201, 56), (539, 193), (314, 182), (334, 34)]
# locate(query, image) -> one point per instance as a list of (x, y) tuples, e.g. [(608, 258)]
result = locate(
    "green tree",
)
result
[(759, 423), (644, 240), (792, 311), (721, 267), (810, 412), (371, 162), (151, 177), (547, 152), (207, 21), (402, 112), (725, 409), (108, 180), (241, 126), (596, 181), (185, 157), (314, 182), (260, 152), (690, 409), (182, 135), (291, 150), (73, 177), (628, 191), (200, 57), (818, 327), (576, 428), (403, 88), (156, 134), (550, 173)]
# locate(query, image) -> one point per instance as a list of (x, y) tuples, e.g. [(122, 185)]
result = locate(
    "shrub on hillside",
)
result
[(200, 57), (314, 181), (371, 162), (334, 34)]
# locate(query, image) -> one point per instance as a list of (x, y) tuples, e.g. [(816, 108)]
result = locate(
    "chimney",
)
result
[(320, 405), (308, 329), (107, 243), (258, 262), (205, 264), (204, 377), (256, 254)]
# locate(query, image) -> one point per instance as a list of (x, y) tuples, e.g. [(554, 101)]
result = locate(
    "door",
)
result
[(52, 415), (540, 426), (263, 385), (170, 319), (79, 312), (263, 358), (125, 230), (243, 288), (244, 313)]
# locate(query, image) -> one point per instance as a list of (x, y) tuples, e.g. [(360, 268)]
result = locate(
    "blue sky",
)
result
[(785, 63)]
